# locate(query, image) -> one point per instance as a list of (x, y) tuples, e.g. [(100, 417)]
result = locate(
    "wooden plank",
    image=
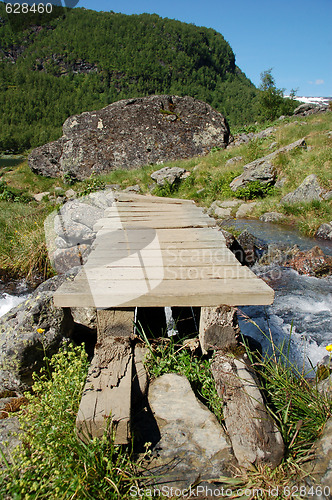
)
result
[(170, 294), (118, 323), (172, 246), (104, 273), (218, 328), (125, 197), (173, 224), (106, 397)]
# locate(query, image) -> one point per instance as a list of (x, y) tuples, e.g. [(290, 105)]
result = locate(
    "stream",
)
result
[(300, 318), (301, 315)]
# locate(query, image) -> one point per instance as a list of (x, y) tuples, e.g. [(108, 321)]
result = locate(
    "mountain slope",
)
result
[(84, 60)]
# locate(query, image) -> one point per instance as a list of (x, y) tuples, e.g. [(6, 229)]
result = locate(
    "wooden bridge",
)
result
[(148, 252)]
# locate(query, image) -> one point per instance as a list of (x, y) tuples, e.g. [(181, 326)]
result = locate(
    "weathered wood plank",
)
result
[(106, 397), (118, 323), (218, 328), (131, 274), (125, 197), (170, 293)]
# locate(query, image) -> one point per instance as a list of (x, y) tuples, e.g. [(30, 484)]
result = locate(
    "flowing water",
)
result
[(301, 315), (11, 295)]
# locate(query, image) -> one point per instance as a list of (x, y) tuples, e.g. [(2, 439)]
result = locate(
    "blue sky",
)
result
[(293, 37)]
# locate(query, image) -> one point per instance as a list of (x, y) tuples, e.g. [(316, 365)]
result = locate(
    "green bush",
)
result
[(255, 190), (91, 185)]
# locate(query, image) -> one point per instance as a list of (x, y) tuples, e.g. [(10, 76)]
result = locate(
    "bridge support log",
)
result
[(218, 328), (106, 399)]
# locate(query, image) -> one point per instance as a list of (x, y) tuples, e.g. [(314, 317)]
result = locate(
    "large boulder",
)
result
[(309, 108), (169, 175), (131, 133), (324, 231)]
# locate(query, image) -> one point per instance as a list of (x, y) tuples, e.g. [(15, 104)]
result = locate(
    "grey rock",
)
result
[(327, 196), (245, 209), (320, 469), (103, 199), (280, 182), (70, 193), (133, 189), (253, 247), (229, 203), (22, 346), (263, 169), (231, 161), (131, 133), (254, 435), (222, 209), (324, 231), (81, 213), (193, 444), (168, 175), (86, 316), (222, 213), (265, 133), (39, 196), (271, 217), (64, 259), (308, 190), (308, 109), (324, 387)]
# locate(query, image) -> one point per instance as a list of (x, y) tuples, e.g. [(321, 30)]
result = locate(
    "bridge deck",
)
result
[(153, 251)]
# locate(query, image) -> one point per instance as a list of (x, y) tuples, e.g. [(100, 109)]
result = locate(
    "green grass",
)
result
[(23, 251), (52, 463)]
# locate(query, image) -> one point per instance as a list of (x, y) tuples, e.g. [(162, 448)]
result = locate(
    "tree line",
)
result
[(78, 60)]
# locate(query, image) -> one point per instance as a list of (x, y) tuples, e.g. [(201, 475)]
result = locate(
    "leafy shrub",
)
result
[(254, 190), (166, 190), (91, 185), (68, 178)]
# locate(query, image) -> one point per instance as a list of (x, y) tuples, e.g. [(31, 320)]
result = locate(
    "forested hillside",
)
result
[(80, 60)]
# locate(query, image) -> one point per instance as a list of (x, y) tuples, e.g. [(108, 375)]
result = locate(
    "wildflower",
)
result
[(40, 330), (329, 348)]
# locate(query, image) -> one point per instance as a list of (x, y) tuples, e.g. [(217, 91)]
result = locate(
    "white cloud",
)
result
[(319, 82)]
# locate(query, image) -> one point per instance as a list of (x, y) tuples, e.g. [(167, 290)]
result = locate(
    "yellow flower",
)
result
[(40, 330), (329, 348)]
